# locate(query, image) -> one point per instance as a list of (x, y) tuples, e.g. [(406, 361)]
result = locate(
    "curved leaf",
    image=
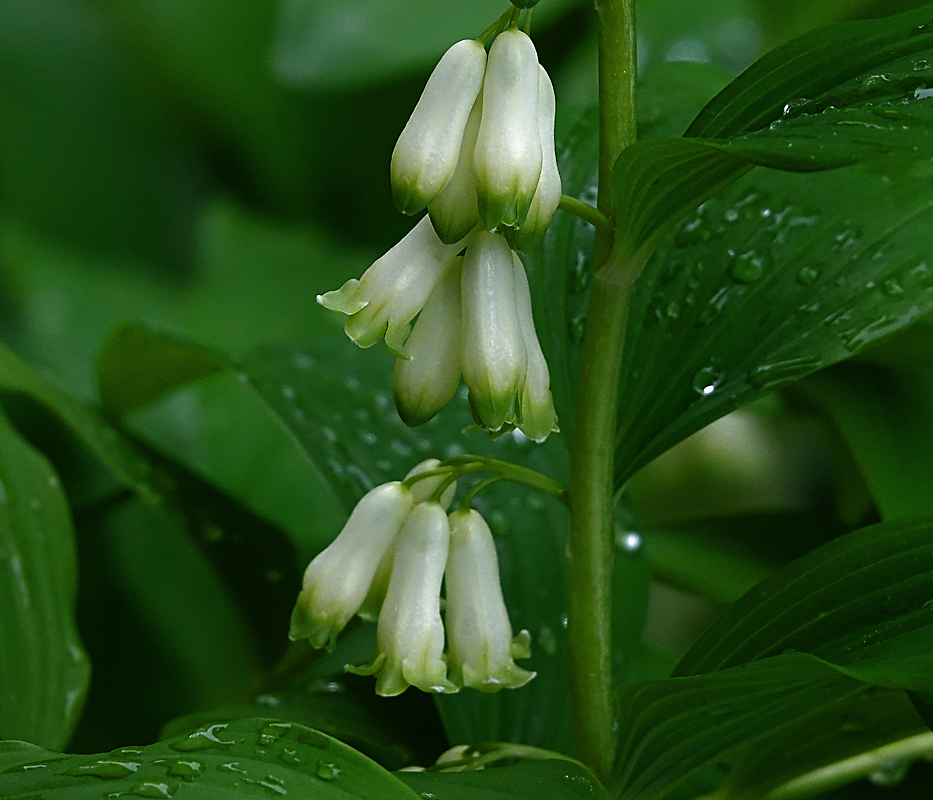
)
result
[(44, 671)]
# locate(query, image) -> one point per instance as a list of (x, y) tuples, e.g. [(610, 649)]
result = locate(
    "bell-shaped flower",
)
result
[(507, 157), (492, 346), (337, 581), (537, 418), (420, 491), (547, 194), (394, 289), (482, 650), (454, 212), (428, 378), (410, 633), (425, 156)]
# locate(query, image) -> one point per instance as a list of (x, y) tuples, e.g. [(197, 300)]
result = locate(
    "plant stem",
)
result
[(586, 212), (591, 488)]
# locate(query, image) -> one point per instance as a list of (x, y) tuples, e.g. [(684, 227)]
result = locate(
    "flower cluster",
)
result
[(389, 563)]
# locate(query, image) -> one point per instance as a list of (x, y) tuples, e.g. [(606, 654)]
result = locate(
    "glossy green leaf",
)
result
[(44, 670), (885, 416), (529, 780), (243, 758), (861, 601)]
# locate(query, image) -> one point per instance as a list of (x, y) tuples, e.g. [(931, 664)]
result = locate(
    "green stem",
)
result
[(586, 212), (593, 450)]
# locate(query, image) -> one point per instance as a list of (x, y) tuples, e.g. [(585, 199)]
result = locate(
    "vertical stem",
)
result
[(591, 488)]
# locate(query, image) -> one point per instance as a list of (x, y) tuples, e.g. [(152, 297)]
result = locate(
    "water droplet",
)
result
[(921, 64), (288, 392), (271, 732), (772, 376), (890, 112), (547, 640), (628, 541), (327, 771), (923, 93), (690, 233), (329, 434), (807, 275), (707, 379), (314, 739), (889, 772), (106, 770), (749, 267), (32, 766), (856, 340), (204, 739), (152, 789), (272, 783), (673, 310), (429, 796), (368, 437), (290, 757), (873, 84), (794, 106), (268, 700), (892, 288), (185, 769), (232, 766)]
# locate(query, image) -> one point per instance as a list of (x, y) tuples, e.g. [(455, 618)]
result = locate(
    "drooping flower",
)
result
[(410, 633), (337, 581), (394, 289), (428, 378), (537, 416), (425, 156), (492, 345), (547, 194), (507, 157), (482, 649)]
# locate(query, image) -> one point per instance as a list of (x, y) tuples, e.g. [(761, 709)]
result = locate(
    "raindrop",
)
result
[(771, 376), (794, 106), (429, 796), (368, 437), (749, 267), (289, 756), (807, 275), (690, 233), (872, 84), (277, 785), (327, 771), (268, 700), (232, 766), (921, 64), (399, 447), (628, 541), (329, 435), (889, 772), (156, 790), (673, 310), (204, 739), (106, 770), (288, 393), (856, 340), (314, 739), (272, 732), (892, 288), (184, 769), (923, 93), (707, 379), (889, 112)]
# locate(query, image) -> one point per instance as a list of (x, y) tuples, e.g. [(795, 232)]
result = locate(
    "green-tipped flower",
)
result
[(492, 347), (410, 633), (454, 212), (507, 157), (426, 154), (394, 289), (538, 418), (482, 650), (548, 191), (337, 581), (427, 380)]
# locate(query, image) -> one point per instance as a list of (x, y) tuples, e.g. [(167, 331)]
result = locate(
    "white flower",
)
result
[(427, 380), (454, 211), (548, 191), (394, 289), (337, 581), (482, 650), (537, 415), (410, 633), (492, 347), (426, 154), (507, 157)]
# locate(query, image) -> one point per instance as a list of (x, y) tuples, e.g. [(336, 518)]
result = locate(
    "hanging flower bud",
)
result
[(547, 194), (538, 418), (337, 581), (507, 157), (426, 154), (420, 491), (482, 650), (394, 289), (410, 633), (492, 347), (427, 380), (454, 212)]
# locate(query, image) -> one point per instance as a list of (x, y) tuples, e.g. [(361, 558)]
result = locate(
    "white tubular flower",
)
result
[(507, 157), (337, 581), (547, 194), (410, 634), (482, 650), (394, 289), (427, 380), (454, 212), (538, 418), (493, 348), (425, 156), (422, 490)]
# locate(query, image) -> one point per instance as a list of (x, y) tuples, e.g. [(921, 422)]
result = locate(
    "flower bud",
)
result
[(492, 347), (394, 289), (337, 581), (547, 194), (507, 157), (410, 633), (454, 212), (482, 650), (427, 380), (425, 156), (538, 417)]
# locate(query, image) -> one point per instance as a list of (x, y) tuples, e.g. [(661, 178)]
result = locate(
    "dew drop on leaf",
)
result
[(185, 769), (749, 267), (707, 379), (327, 771), (807, 275), (152, 790), (771, 376)]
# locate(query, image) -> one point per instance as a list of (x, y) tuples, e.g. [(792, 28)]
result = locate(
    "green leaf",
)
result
[(885, 416), (44, 667), (861, 601), (529, 780), (235, 759)]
